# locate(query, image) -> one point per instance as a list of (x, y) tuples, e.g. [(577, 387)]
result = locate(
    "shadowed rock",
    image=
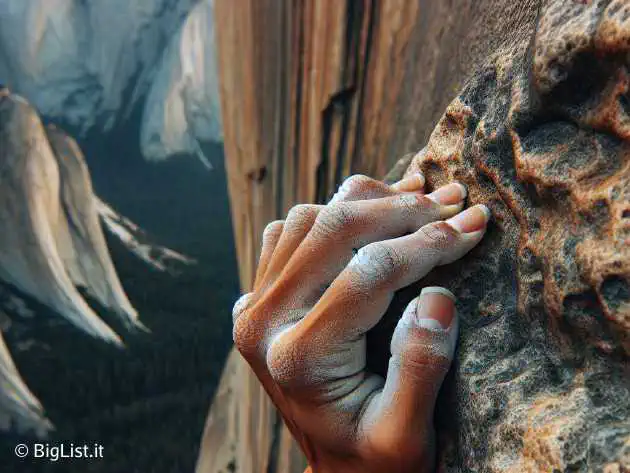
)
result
[(18, 406)]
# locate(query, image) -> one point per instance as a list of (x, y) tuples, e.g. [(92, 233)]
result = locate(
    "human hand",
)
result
[(303, 328)]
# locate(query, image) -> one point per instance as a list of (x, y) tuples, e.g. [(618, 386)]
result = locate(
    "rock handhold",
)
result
[(542, 136)]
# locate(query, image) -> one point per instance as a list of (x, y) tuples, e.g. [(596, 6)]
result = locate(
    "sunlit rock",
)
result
[(90, 64), (39, 254), (137, 242), (182, 107), (19, 408)]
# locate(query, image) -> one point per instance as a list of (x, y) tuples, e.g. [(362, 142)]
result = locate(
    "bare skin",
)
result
[(302, 328)]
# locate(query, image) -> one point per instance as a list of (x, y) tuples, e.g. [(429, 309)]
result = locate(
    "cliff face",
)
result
[(52, 245), (51, 236), (539, 131), (90, 64), (542, 381)]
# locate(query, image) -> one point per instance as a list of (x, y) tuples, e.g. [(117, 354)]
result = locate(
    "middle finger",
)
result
[(343, 228)]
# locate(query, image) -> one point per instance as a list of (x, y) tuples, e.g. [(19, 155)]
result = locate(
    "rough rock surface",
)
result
[(540, 132), (542, 381)]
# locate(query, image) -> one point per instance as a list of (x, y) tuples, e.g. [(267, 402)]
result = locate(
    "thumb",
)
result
[(422, 350)]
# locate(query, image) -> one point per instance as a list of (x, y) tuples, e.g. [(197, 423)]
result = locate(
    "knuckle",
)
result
[(245, 336), (356, 183), (420, 359), (301, 217), (439, 235), (380, 260), (285, 362), (335, 218), (273, 229), (410, 204), (241, 305)]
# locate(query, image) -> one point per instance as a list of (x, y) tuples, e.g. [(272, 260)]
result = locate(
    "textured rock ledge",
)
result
[(542, 134)]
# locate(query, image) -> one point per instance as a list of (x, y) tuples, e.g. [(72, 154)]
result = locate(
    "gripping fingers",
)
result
[(359, 187), (327, 346), (301, 218), (281, 238), (413, 183), (346, 226), (357, 299), (270, 239)]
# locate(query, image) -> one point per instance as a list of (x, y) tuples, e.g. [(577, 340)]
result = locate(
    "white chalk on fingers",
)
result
[(439, 290)]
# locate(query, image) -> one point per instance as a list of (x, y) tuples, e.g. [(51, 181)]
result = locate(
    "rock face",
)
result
[(18, 406), (182, 106), (51, 236), (539, 132), (89, 64), (52, 244), (542, 381)]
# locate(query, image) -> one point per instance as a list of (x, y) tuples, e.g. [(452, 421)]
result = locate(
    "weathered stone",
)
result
[(541, 135), (540, 132)]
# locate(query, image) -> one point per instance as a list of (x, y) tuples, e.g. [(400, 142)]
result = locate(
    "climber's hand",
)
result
[(327, 273)]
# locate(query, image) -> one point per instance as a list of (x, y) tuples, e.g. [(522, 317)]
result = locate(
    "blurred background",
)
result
[(134, 86)]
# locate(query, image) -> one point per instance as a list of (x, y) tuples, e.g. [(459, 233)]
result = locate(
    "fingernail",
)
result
[(450, 194), (471, 220), (436, 308), (412, 183)]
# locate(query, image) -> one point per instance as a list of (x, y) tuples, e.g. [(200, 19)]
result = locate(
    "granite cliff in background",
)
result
[(52, 245), (540, 131), (90, 64)]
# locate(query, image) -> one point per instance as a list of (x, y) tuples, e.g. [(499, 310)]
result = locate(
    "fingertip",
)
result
[(412, 183), (451, 194), (435, 314), (471, 220), (436, 308), (438, 290)]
